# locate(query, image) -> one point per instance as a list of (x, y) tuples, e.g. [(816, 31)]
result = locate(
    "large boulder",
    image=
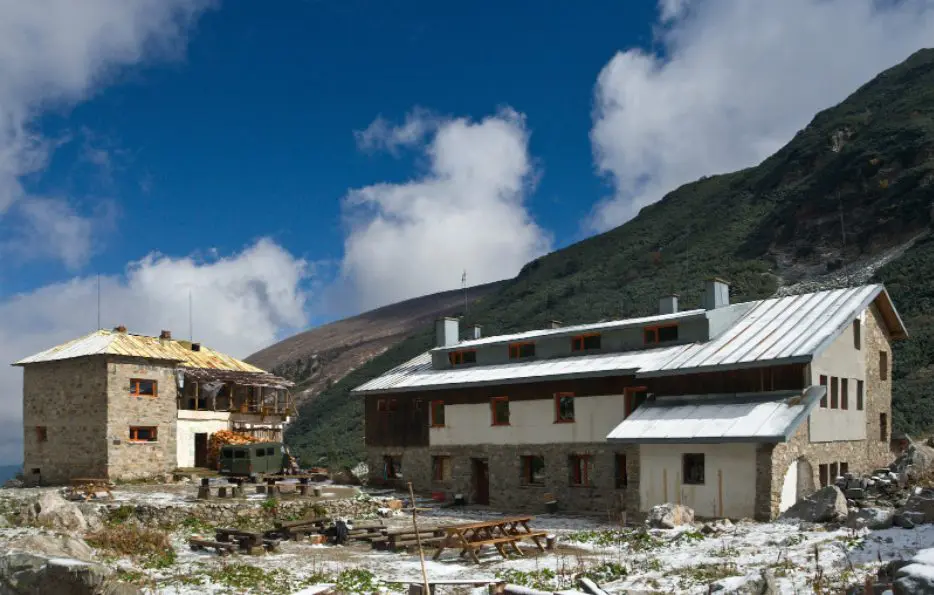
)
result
[(755, 583), (55, 546), (669, 516), (823, 506), (914, 579), (919, 507), (870, 518), (29, 573), (345, 477), (917, 459), (54, 512)]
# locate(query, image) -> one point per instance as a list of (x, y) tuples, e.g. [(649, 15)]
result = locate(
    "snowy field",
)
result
[(682, 560)]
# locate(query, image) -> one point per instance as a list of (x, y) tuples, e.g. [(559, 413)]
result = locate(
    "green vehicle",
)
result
[(253, 460)]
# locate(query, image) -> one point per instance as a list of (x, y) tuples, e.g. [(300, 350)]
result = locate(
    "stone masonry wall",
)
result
[(68, 399), (508, 492), (132, 460), (861, 456)]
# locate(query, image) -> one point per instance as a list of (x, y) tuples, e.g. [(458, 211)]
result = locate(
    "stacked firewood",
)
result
[(224, 438)]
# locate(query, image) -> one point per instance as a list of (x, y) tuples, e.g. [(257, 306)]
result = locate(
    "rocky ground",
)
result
[(138, 543)]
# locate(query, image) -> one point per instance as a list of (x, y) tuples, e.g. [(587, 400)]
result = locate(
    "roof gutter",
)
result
[(801, 359)]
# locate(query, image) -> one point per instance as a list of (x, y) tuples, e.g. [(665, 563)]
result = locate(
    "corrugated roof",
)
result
[(573, 330), (107, 342), (752, 417), (787, 329)]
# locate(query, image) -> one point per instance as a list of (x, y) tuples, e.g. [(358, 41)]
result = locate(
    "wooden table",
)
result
[(499, 533)]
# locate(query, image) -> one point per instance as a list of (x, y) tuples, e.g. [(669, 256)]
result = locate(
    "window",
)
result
[(822, 474), (581, 467), (261, 452), (499, 407), (859, 395), (844, 468), (392, 467), (437, 414), (533, 470), (692, 465), (622, 478), (440, 468), (834, 472), (633, 396), (458, 358), (521, 350), (844, 393), (140, 387), (585, 342), (271, 451), (393, 405), (857, 334), (382, 406), (418, 404), (834, 395), (883, 427), (239, 454), (823, 400), (564, 408), (660, 334), (884, 365), (42, 434), (226, 453), (142, 434)]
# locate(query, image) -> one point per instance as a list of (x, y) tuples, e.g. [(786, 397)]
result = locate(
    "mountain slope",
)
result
[(317, 358), (855, 185)]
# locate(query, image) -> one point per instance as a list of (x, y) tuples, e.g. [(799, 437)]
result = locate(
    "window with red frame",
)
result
[(581, 467), (633, 397), (521, 350), (140, 387), (660, 334), (143, 434), (823, 400), (437, 414), (564, 408), (499, 409), (459, 358), (585, 342)]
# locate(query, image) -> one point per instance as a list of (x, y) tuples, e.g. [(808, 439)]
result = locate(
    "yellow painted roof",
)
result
[(107, 342)]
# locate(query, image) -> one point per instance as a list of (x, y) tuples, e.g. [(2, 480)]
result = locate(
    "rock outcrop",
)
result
[(52, 511), (669, 516), (823, 506)]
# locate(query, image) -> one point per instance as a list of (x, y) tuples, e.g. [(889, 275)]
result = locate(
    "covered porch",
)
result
[(247, 396)]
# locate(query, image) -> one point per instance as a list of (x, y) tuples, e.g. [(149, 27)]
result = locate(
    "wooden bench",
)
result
[(472, 537), (249, 541), (222, 548)]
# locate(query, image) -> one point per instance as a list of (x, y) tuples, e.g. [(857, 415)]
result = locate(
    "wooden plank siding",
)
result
[(406, 423)]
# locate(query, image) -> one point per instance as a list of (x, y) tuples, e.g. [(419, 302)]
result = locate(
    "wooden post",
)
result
[(276, 402), (197, 394), (418, 540)]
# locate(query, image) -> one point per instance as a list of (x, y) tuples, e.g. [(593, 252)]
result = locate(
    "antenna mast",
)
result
[(191, 335), (464, 288), (846, 273), (98, 301)]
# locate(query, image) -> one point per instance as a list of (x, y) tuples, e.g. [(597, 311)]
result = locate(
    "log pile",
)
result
[(224, 438)]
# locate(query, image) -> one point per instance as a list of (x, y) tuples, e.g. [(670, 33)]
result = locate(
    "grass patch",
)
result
[(637, 540), (152, 546), (708, 573)]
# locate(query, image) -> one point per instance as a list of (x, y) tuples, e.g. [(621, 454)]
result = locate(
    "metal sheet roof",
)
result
[(107, 342), (751, 417), (793, 328), (573, 330), (778, 330)]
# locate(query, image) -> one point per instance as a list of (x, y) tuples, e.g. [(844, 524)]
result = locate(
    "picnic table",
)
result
[(90, 486), (499, 533)]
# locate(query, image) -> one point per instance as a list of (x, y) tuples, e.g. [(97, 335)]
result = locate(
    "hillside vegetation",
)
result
[(857, 182)]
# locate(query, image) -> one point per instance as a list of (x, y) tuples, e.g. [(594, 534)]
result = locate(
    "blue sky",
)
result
[(289, 165)]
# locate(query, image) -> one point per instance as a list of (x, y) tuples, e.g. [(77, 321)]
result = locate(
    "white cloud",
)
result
[(467, 211), (56, 52), (240, 304), (735, 80), (382, 135)]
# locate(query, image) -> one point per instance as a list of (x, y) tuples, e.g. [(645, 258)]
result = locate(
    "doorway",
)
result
[(481, 481), (201, 450)]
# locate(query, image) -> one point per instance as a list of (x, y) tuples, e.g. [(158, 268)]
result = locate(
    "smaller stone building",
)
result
[(121, 406), (734, 409)]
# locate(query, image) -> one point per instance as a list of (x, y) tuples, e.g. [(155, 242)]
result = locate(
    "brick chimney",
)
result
[(166, 335), (120, 329)]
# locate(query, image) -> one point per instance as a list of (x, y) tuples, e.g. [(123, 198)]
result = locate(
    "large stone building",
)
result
[(736, 410), (121, 406)]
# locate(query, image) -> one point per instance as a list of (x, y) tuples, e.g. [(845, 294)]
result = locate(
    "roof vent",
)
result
[(165, 335), (447, 331), (716, 293), (555, 324), (668, 304), (120, 329), (196, 346)]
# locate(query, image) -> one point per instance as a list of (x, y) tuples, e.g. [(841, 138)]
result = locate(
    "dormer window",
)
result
[(521, 350), (458, 358), (660, 334), (585, 342)]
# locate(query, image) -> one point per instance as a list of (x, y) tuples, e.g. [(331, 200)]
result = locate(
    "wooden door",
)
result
[(201, 450), (481, 481)]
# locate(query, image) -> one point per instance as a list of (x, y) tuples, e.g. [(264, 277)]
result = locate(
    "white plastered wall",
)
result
[(729, 488), (196, 422), (530, 422), (841, 360)]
